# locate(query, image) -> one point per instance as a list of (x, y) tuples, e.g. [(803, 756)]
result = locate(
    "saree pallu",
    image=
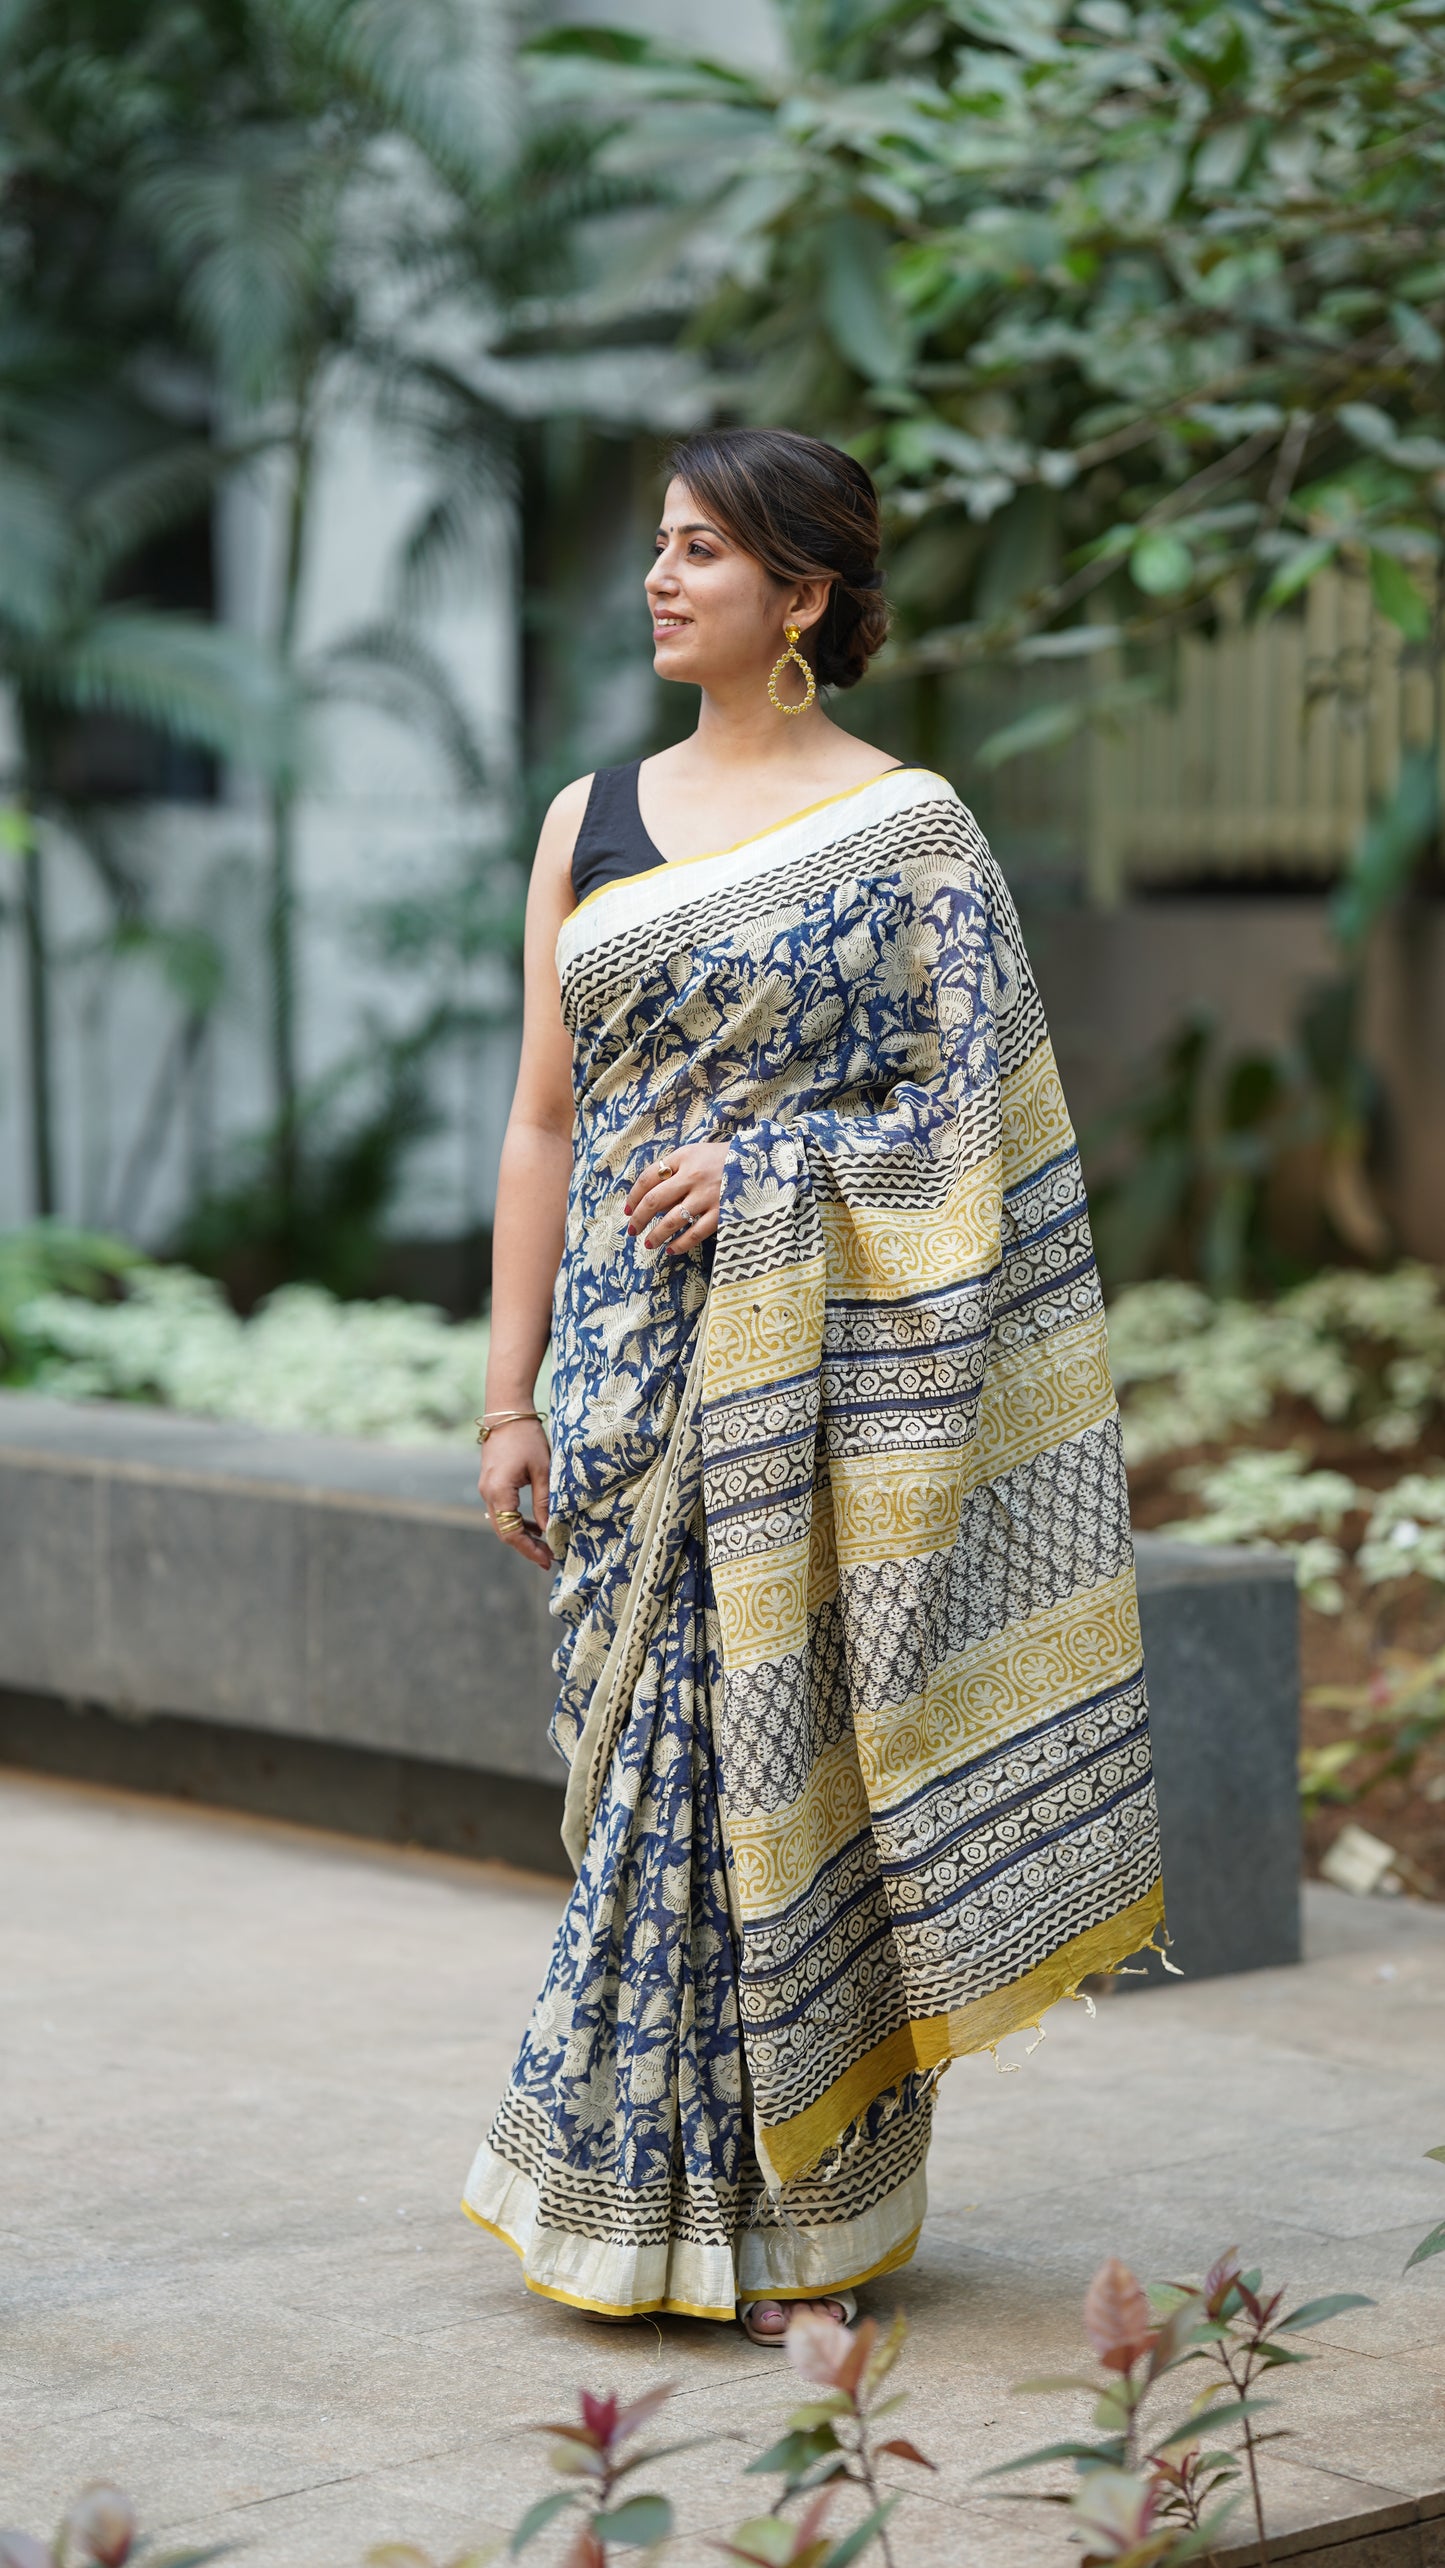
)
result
[(850, 1681)]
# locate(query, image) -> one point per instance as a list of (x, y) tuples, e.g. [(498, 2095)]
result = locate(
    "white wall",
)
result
[(383, 820)]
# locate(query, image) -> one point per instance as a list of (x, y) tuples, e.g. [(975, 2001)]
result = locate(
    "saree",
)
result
[(850, 1684)]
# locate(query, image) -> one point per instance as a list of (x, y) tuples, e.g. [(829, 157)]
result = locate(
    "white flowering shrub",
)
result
[(1406, 1531), (1267, 1495), (399, 1371), (1362, 1350)]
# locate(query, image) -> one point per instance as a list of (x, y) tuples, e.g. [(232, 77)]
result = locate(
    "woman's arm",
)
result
[(532, 1183)]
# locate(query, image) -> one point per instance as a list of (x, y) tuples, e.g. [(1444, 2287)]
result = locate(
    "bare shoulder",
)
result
[(857, 762)]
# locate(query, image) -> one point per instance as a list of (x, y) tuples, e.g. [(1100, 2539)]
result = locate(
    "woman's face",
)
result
[(716, 613)]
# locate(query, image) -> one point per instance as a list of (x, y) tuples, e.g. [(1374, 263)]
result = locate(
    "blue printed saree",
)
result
[(850, 1682)]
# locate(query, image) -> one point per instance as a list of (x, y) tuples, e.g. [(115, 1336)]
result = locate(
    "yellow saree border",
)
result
[(641, 898), (889, 2264), (671, 864), (791, 2148)]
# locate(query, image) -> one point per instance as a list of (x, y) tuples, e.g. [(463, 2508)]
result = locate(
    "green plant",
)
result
[(830, 2443), (1433, 2244), (1200, 1135), (303, 1362), (1394, 1718), (1354, 1350), (229, 230), (1145, 2498), (1269, 1495), (1135, 311), (326, 1225), (590, 2453), (291, 202), (1125, 305), (98, 2531), (47, 1257)]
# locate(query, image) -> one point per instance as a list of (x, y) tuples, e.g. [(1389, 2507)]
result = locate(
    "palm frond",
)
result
[(392, 668), (145, 498), (34, 548), (243, 229), (433, 70), (192, 680), (446, 540)]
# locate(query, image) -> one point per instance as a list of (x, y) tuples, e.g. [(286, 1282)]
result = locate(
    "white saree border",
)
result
[(638, 899), (680, 2279)]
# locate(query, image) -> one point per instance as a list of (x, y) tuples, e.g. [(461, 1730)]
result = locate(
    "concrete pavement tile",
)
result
[(1410, 2321), (242, 2280)]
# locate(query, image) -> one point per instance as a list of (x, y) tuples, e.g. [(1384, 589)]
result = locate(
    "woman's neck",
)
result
[(739, 727)]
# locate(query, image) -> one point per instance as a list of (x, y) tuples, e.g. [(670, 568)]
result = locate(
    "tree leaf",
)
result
[(1314, 2313), (537, 2518), (1394, 838), (1299, 567), (636, 2524), (1209, 2421), (195, 681), (906, 2451), (863, 316), (1434, 2245), (1104, 2453), (1044, 726), (796, 2451), (854, 2543), (1118, 2321), (1397, 597), (1161, 565)]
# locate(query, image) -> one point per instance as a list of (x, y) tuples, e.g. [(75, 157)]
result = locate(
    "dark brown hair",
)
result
[(801, 508)]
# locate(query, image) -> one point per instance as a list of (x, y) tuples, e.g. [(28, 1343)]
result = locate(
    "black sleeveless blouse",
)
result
[(611, 841)]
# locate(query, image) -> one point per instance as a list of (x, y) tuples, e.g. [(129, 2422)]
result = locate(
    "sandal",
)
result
[(847, 2302)]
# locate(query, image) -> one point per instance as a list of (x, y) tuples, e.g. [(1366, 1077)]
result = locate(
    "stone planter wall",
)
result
[(324, 1630)]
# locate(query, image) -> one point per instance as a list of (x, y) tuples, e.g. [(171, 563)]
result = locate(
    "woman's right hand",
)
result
[(517, 1457)]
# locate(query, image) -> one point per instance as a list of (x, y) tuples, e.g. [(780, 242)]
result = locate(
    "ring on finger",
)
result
[(504, 1518)]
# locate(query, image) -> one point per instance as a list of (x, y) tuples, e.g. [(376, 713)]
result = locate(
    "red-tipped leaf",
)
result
[(1118, 2321)]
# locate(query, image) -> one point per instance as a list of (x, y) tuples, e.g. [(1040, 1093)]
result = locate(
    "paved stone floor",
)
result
[(243, 2068)]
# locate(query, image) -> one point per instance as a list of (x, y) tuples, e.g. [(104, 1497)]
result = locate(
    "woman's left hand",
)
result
[(682, 1209)]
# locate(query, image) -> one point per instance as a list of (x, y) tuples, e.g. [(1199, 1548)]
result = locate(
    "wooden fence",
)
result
[(1277, 741)]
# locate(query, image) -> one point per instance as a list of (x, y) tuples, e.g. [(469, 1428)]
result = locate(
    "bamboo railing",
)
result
[(1277, 741)]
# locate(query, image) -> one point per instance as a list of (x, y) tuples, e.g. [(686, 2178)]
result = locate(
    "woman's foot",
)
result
[(766, 2321)]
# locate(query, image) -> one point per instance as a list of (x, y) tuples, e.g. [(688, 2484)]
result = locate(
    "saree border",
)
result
[(790, 2148), (635, 900)]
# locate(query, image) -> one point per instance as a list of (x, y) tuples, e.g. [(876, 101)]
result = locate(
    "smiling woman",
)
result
[(850, 1685)]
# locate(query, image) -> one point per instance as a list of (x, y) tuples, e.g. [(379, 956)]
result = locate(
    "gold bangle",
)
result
[(503, 1418)]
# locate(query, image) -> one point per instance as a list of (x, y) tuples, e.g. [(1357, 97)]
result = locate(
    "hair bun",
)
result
[(801, 507)]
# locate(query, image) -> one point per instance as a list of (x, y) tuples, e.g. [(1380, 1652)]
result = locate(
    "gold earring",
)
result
[(791, 632)]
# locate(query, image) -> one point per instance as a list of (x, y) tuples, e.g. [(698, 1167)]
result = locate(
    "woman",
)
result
[(850, 1681)]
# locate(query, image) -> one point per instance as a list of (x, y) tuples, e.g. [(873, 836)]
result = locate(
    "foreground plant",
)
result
[(1396, 1717), (1149, 2503), (1434, 2243), (830, 2442), (590, 2454), (98, 2530)]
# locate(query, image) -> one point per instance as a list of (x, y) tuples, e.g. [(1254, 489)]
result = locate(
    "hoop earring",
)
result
[(791, 632)]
